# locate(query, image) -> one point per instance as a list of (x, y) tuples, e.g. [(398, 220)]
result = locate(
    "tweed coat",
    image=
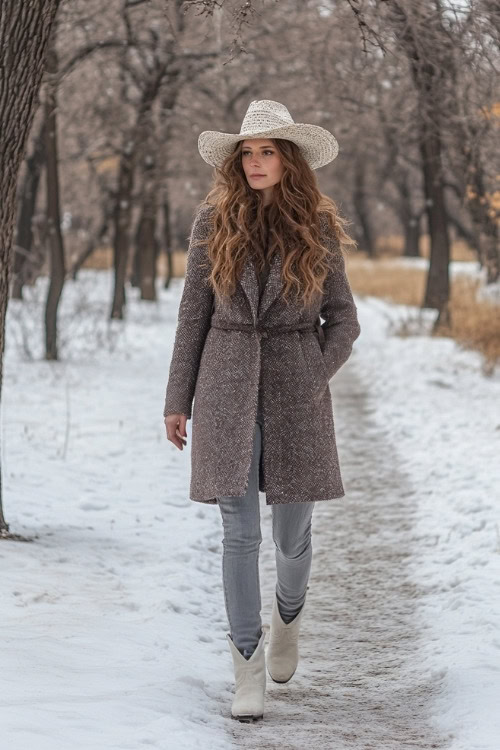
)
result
[(220, 369)]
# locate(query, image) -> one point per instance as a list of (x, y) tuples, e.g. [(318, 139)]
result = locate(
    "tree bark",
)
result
[(437, 291), (122, 215), (56, 246), (147, 248), (167, 234), (24, 34), (410, 219), (412, 236), (361, 207), (27, 203)]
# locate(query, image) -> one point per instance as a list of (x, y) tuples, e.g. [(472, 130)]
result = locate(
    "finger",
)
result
[(176, 441), (179, 434), (173, 434)]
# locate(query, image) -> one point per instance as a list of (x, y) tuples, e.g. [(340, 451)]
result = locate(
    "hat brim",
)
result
[(317, 145)]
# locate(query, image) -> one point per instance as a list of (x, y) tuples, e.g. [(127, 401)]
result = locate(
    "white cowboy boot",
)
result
[(283, 650), (250, 679)]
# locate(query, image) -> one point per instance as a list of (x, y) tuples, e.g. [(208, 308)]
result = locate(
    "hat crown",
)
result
[(265, 114), (266, 118)]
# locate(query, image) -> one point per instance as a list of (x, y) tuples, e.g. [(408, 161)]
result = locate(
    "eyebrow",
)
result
[(270, 145)]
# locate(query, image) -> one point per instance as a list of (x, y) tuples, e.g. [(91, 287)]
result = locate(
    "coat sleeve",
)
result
[(194, 315), (341, 327)]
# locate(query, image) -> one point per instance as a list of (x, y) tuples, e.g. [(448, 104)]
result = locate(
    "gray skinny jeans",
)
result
[(291, 529)]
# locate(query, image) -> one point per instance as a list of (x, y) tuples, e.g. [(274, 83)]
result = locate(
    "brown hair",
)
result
[(239, 225)]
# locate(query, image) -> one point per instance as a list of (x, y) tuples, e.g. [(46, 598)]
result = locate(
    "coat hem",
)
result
[(270, 501)]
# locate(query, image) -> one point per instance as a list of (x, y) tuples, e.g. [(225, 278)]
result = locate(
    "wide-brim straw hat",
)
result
[(268, 119)]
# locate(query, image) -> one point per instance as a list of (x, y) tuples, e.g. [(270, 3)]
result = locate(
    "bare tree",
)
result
[(437, 49), (419, 31), (123, 204), (56, 245), (24, 34), (154, 64)]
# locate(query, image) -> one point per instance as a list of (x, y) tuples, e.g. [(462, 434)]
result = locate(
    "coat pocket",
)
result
[(321, 360), (315, 363)]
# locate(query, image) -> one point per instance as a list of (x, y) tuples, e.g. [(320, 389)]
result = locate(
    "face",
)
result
[(262, 165)]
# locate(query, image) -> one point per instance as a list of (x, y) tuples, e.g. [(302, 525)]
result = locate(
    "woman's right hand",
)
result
[(175, 425)]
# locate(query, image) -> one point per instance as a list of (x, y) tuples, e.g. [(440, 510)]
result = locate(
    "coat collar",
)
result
[(250, 286)]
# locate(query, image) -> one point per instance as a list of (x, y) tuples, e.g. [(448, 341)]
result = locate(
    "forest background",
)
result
[(101, 107)]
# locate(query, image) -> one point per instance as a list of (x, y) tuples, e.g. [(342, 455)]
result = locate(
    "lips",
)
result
[(257, 175)]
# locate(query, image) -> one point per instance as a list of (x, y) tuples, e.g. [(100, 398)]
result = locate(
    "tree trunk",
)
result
[(147, 246), (167, 234), (147, 255), (57, 264), (122, 216), (409, 219), (437, 292), (425, 43), (93, 240), (27, 201), (412, 236), (24, 34), (360, 202), (135, 276)]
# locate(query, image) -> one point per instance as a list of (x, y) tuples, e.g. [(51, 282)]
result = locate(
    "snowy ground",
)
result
[(113, 627), (457, 267)]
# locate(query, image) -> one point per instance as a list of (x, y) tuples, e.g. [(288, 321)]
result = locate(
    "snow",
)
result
[(113, 616), (444, 416), (456, 267), (490, 292)]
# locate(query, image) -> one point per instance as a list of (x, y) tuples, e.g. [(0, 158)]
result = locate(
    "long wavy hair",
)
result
[(291, 224)]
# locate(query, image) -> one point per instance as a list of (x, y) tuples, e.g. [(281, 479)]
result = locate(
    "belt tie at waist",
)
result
[(264, 332)]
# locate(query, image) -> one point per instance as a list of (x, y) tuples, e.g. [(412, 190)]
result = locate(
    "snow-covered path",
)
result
[(360, 683), (113, 621)]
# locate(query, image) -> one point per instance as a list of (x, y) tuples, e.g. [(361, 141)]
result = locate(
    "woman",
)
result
[(264, 263)]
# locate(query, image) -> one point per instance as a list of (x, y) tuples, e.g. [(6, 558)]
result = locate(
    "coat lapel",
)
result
[(250, 285)]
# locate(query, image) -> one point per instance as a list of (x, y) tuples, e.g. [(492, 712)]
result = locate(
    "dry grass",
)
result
[(101, 259), (383, 278), (475, 324), (392, 246)]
